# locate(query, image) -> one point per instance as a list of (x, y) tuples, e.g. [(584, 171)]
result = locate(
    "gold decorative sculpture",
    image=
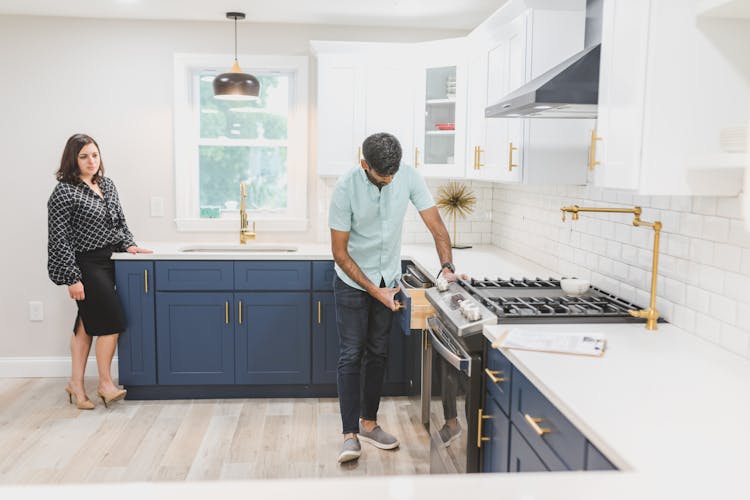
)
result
[(456, 199)]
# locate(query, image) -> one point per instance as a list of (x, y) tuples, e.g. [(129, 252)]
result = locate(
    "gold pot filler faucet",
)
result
[(245, 232), (651, 314)]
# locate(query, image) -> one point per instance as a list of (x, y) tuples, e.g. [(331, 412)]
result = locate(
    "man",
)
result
[(365, 217)]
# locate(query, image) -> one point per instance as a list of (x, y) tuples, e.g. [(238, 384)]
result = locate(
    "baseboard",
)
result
[(46, 366)]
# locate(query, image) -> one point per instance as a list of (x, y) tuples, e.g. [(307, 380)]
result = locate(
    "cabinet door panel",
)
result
[(273, 339), (136, 346), (340, 112), (195, 339), (522, 457), (621, 93), (497, 429), (325, 339), (323, 273)]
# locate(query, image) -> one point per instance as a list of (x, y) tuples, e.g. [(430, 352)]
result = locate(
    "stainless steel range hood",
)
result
[(569, 90)]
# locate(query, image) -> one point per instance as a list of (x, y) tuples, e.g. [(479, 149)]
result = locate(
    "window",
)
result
[(219, 144)]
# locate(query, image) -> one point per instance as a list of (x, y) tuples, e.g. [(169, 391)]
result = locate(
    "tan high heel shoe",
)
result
[(111, 396), (85, 404)]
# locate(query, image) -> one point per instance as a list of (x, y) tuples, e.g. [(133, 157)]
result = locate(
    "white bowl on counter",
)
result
[(575, 286)]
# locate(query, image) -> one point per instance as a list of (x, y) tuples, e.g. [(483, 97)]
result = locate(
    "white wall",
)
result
[(111, 79)]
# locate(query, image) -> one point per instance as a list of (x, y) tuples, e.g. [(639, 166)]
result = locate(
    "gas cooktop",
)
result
[(467, 305)]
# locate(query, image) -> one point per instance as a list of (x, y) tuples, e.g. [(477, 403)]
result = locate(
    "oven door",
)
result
[(454, 403)]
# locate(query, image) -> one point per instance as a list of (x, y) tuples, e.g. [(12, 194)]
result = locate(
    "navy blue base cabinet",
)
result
[(137, 344), (203, 329), (524, 431)]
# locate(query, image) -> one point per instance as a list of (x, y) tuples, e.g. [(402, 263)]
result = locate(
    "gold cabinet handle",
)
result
[(359, 155), (481, 417), (416, 157), (592, 150), (474, 163), (239, 312), (318, 312), (226, 312), (145, 281), (492, 374), (534, 423), (479, 158), (511, 148)]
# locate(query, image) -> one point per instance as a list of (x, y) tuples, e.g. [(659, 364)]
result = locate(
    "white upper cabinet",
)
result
[(440, 108), (668, 98), (362, 89), (508, 50)]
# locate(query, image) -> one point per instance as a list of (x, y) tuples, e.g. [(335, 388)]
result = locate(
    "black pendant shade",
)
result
[(236, 85)]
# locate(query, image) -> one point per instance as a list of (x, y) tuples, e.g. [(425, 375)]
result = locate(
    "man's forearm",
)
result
[(347, 264)]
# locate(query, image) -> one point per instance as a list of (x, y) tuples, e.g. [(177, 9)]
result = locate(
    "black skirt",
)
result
[(100, 310)]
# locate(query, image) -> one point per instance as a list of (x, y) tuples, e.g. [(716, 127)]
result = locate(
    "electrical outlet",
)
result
[(157, 206), (36, 311)]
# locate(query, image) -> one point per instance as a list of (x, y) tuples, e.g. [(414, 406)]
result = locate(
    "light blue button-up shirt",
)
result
[(374, 218)]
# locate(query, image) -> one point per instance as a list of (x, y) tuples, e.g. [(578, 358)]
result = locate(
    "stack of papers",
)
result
[(586, 344)]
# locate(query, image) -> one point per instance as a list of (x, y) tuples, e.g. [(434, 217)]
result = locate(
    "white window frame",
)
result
[(187, 133)]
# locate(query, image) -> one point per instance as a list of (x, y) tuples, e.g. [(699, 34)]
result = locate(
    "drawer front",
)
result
[(323, 273), (497, 375), (180, 275), (595, 460), (560, 445), (273, 275), (403, 315)]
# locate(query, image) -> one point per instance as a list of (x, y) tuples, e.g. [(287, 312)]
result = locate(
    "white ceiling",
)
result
[(441, 14)]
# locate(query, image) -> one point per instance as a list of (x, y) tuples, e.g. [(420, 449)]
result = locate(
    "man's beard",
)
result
[(378, 184)]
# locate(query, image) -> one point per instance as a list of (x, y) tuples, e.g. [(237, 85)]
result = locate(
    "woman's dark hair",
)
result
[(382, 152), (69, 171)]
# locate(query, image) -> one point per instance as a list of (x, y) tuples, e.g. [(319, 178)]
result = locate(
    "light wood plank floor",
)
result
[(46, 440)]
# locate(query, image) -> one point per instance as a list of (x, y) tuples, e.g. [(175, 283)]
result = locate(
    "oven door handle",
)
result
[(459, 363)]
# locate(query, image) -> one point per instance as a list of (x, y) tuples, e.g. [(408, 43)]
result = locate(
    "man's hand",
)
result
[(386, 296), (453, 276)]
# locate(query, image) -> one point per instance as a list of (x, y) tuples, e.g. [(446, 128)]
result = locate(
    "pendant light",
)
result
[(236, 85)]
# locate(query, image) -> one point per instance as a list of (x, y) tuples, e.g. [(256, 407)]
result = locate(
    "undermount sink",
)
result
[(237, 248)]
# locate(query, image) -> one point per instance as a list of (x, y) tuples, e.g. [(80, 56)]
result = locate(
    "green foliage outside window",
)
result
[(260, 156)]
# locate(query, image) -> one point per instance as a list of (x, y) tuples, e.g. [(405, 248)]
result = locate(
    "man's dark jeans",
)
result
[(364, 325)]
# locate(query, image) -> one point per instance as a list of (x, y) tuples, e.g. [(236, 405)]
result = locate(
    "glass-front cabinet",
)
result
[(440, 109)]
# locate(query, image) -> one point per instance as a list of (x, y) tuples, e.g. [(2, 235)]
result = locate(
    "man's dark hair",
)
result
[(382, 152)]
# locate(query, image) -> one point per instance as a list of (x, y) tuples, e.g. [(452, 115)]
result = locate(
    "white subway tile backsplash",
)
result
[(677, 246), (743, 316), (716, 228), (745, 267), (674, 290), (692, 224), (697, 299), (670, 221), (738, 233), (737, 287), (729, 207), (711, 278), (728, 257), (684, 318), (681, 203), (705, 205), (724, 308), (708, 328), (701, 251), (735, 340)]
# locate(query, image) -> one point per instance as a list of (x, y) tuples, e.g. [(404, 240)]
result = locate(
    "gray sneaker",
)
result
[(378, 437), (448, 434), (351, 450)]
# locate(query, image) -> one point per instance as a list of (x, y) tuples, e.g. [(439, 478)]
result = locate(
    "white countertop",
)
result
[(668, 407), (662, 401)]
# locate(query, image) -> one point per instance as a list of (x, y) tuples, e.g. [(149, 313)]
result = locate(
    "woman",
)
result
[(86, 224)]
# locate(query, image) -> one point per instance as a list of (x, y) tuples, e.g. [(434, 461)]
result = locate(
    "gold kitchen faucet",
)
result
[(245, 232), (651, 314)]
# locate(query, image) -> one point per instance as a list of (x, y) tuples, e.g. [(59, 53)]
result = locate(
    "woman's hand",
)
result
[(134, 250), (76, 291)]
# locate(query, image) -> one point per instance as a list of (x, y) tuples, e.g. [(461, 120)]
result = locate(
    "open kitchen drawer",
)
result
[(415, 308)]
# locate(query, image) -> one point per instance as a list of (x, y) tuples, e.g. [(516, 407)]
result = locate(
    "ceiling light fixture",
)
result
[(236, 85)]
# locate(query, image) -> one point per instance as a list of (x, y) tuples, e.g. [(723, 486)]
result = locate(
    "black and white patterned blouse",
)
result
[(79, 220)]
